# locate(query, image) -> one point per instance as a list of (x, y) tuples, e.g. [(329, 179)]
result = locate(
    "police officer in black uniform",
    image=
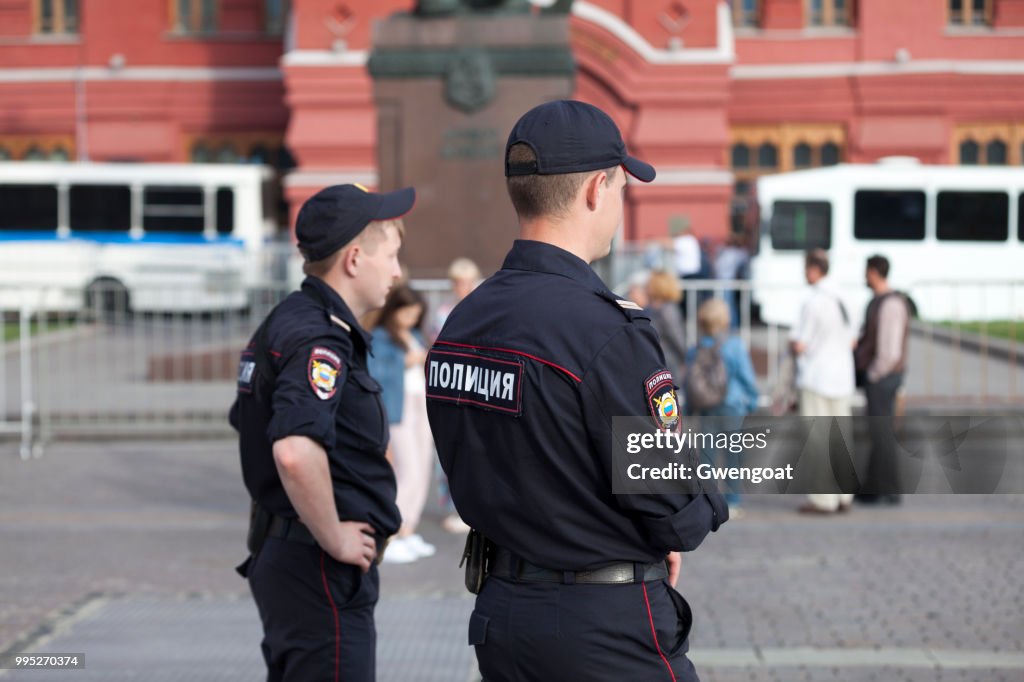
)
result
[(313, 440), (522, 385)]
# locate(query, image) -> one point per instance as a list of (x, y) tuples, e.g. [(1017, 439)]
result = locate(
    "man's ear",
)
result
[(595, 187), (350, 259)]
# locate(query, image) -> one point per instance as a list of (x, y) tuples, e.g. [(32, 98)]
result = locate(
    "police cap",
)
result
[(333, 217), (571, 137)]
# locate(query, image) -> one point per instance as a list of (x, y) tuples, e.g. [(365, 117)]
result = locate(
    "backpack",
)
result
[(707, 380)]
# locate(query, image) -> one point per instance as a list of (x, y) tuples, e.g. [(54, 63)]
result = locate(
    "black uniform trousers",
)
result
[(546, 632), (317, 614)]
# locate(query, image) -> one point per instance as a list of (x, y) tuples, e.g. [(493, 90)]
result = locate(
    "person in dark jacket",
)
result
[(522, 385), (313, 442)]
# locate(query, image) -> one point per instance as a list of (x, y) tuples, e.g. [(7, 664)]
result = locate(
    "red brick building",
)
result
[(713, 93)]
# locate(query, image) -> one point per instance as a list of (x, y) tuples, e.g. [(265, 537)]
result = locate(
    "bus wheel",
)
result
[(106, 299)]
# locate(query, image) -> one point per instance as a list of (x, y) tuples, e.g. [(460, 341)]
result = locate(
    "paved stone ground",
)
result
[(124, 551)]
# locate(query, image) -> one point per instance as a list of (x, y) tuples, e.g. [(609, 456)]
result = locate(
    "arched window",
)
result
[(829, 154), (56, 16), (208, 16), (259, 154), (995, 153), (802, 155), (34, 153), (969, 12), (969, 153), (228, 154), (746, 13), (5, 154), (767, 156), (59, 154), (740, 156), (828, 12), (200, 153), (275, 15), (194, 16)]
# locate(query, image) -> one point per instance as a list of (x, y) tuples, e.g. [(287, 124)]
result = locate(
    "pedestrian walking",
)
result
[(732, 264), (720, 382), (881, 362), (663, 296), (822, 342)]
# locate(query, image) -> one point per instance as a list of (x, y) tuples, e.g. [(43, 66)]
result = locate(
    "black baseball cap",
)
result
[(334, 216), (571, 137)]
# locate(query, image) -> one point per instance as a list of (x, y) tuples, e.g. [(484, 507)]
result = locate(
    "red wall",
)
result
[(678, 115), (150, 117)]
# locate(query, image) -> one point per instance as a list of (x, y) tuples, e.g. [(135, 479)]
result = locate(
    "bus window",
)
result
[(973, 216), (879, 214), (225, 210), (100, 208), (801, 225), (173, 209), (28, 207)]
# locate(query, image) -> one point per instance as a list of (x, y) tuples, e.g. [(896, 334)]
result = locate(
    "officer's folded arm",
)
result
[(302, 465), (677, 522)]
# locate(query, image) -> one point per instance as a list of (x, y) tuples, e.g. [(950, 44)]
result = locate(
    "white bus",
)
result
[(954, 237), (144, 237)]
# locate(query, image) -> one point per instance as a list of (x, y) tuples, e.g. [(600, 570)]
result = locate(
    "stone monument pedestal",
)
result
[(448, 91)]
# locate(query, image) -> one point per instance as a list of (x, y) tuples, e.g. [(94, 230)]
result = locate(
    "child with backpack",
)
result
[(719, 379)]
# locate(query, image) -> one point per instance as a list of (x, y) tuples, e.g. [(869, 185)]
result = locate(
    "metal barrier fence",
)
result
[(101, 369)]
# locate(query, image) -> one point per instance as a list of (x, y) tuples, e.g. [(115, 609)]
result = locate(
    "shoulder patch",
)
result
[(628, 305), (482, 381), (323, 371), (661, 399)]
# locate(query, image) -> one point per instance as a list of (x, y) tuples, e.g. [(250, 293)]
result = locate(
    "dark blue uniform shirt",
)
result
[(322, 391), (523, 383)]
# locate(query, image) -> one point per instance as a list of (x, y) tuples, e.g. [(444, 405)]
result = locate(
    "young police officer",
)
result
[(522, 386), (313, 437)]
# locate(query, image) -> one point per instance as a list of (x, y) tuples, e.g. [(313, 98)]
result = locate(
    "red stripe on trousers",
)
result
[(337, 623), (654, 634)]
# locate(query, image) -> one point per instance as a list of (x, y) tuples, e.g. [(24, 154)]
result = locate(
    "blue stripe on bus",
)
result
[(116, 238)]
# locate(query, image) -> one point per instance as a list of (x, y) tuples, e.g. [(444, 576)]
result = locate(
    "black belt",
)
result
[(290, 529), (505, 564), (296, 531)]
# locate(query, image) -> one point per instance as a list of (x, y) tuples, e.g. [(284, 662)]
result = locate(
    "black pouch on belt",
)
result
[(475, 558), (259, 526)]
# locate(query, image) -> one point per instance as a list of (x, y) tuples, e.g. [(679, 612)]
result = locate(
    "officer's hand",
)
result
[(675, 562), (355, 544)]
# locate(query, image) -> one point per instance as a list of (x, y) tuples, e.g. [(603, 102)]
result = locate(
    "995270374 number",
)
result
[(52, 661)]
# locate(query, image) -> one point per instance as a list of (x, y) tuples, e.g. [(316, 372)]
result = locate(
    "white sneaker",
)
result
[(420, 546), (399, 551)]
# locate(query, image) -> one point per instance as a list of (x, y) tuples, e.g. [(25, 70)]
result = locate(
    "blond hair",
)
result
[(463, 268), (713, 317), (664, 287)]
